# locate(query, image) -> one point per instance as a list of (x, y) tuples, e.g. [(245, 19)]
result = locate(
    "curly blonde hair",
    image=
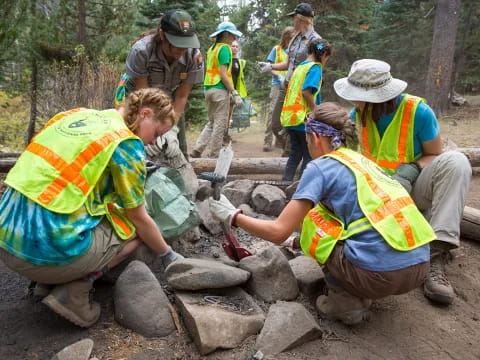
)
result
[(156, 99), (333, 114)]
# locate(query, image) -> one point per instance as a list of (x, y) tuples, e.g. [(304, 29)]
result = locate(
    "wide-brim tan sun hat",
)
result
[(369, 80)]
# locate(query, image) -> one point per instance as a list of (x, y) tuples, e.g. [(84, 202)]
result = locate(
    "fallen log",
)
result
[(242, 166), (470, 225), (271, 165)]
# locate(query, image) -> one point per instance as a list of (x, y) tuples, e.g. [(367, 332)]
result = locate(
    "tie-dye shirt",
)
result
[(43, 237)]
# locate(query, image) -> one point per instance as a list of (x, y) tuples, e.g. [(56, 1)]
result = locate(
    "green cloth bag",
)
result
[(167, 203)]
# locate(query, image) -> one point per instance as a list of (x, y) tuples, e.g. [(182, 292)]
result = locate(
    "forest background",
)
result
[(60, 54)]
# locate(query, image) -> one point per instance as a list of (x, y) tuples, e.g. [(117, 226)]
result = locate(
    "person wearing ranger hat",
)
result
[(401, 134), (297, 53), (219, 88), (167, 58)]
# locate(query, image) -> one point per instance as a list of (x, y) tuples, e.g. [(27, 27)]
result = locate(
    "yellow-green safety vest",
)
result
[(385, 203), (397, 145), (280, 57), (295, 106), (240, 85), (212, 73), (61, 166)]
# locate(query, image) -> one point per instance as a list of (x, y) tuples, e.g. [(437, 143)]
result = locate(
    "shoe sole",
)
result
[(66, 313), (353, 317), (438, 298)]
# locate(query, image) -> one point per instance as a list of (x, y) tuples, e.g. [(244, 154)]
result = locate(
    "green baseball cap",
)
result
[(179, 29)]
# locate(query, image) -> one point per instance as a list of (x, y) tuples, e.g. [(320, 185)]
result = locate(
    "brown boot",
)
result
[(72, 301), (340, 305), (437, 287), (195, 154)]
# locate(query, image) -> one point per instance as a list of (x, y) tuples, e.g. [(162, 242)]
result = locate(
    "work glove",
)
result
[(169, 257), (264, 67), (236, 99), (167, 144), (223, 209), (281, 78), (407, 174)]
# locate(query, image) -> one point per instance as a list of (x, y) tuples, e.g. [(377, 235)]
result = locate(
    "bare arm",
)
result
[(280, 66), (147, 230), (225, 80), (431, 149), (181, 97), (141, 83), (278, 230), (307, 94)]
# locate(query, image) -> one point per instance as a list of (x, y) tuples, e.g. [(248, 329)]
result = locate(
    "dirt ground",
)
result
[(400, 327)]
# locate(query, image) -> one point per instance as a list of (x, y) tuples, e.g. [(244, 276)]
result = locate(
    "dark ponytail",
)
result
[(318, 48)]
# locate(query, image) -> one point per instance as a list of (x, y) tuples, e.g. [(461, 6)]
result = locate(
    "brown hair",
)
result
[(377, 110), (286, 37), (337, 117), (156, 99), (305, 19)]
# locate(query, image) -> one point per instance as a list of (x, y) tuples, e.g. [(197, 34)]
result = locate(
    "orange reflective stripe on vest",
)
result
[(118, 221), (402, 142), (70, 173), (390, 207)]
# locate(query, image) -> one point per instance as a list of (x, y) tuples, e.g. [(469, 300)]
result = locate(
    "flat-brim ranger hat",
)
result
[(179, 29), (302, 9), (369, 80), (226, 26)]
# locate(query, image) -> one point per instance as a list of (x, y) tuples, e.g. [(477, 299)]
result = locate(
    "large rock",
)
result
[(288, 325), (197, 274), (272, 277), (309, 275), (239, 191), (211, 224), (141, 304), (221, 318), (80, 350), (268, 199)]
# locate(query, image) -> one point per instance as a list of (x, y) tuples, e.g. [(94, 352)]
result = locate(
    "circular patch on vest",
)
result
[(83, 123)]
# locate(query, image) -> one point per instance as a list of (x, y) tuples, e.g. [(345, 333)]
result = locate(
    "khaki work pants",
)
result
[(218, 104)]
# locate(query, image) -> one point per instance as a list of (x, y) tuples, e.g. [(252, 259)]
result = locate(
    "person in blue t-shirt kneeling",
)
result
[(346, 204)]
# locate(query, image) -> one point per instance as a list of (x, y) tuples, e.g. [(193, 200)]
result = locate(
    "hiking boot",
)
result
[(195, 154), (437, 287), (340, 305), (72, 301), (267, 148)]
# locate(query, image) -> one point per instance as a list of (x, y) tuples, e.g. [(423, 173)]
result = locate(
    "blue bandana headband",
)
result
[(320, 128)]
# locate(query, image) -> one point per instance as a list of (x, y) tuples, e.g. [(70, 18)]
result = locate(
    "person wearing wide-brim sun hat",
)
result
[(219, 88), (401, 134)]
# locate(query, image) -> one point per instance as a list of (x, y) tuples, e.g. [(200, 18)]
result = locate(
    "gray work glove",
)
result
[(167, 144), (264, 67), (169, 257), (407, 174), (236, 99), (281, 78)]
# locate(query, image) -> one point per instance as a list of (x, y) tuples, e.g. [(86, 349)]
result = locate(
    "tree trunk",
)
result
[(439, 75), (33, 101), (470, 225)]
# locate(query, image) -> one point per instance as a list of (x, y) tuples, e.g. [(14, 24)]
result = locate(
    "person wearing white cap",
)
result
[(401, 134), (219, 87), (297, 53)]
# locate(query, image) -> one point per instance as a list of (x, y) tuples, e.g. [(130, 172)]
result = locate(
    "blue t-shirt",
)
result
[(328, 181), (313, 82), (425, 127), (272, 57), (40, 236)]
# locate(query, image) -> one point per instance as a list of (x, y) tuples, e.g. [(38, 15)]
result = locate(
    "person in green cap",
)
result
[(167, 58)]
